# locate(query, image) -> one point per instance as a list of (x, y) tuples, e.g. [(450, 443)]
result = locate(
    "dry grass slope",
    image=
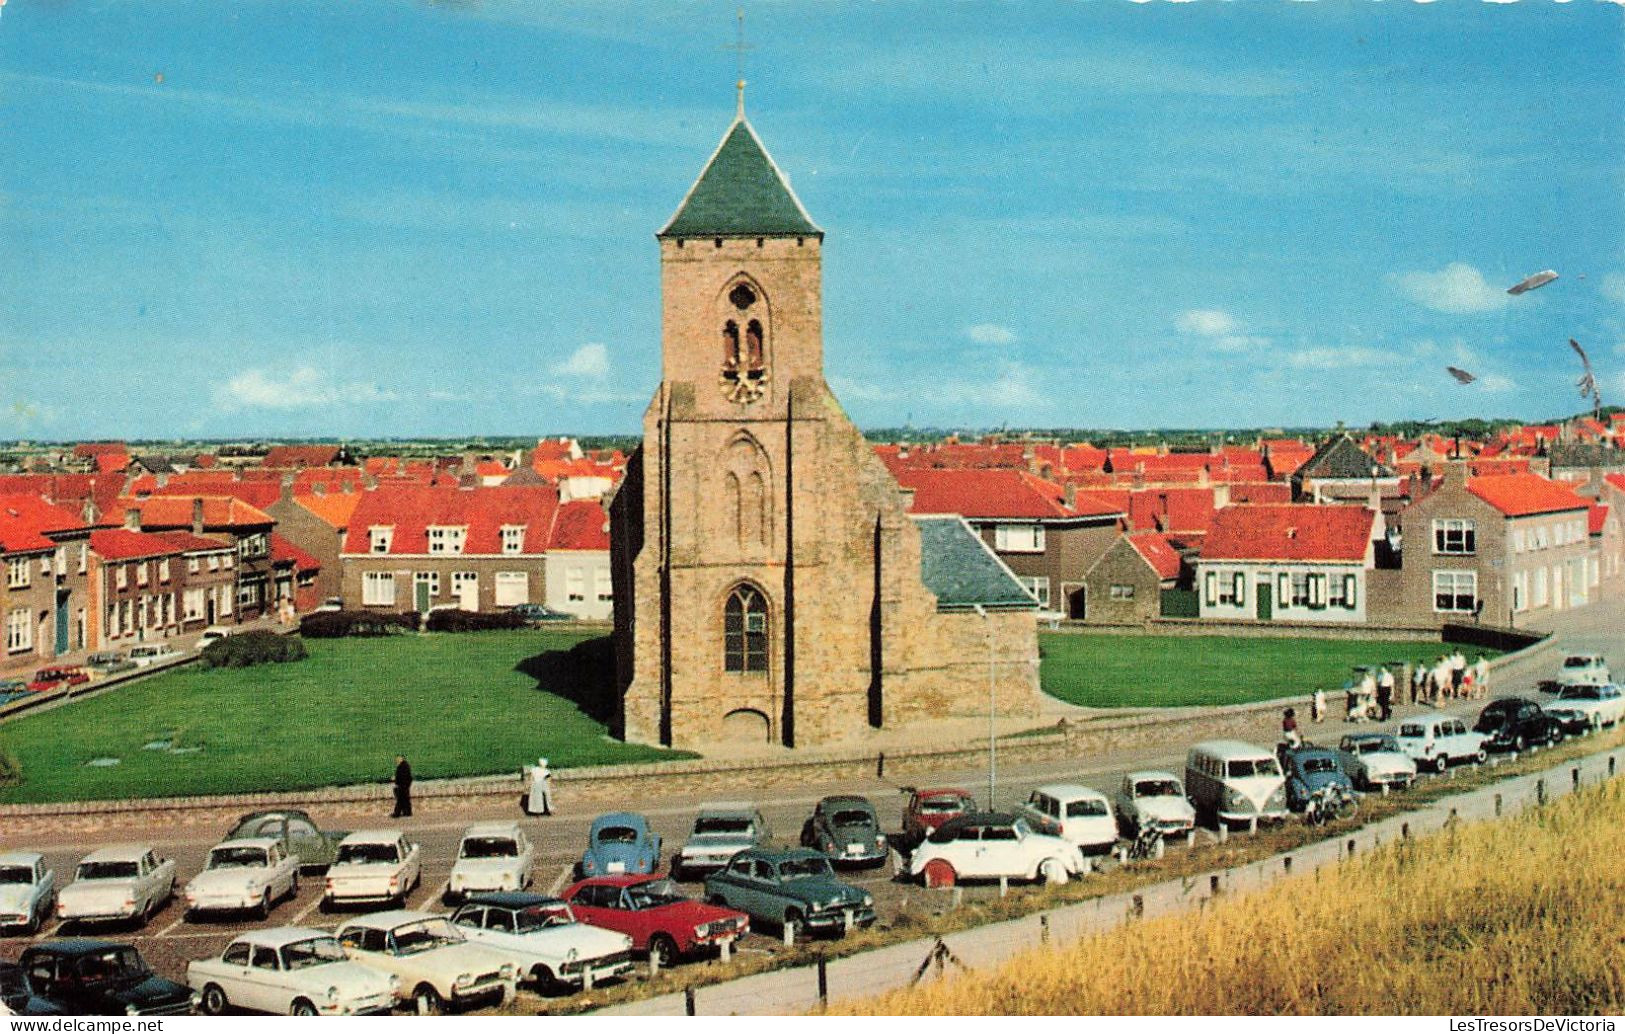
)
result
[(1518, 917)]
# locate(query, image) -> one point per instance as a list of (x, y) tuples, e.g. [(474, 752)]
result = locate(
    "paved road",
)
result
[(169, 941)]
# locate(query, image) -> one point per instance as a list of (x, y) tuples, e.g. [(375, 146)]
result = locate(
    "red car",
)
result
[(655, 914), (62, 675), (929, 809)]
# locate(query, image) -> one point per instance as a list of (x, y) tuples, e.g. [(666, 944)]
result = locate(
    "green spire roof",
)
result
[(741, 193)]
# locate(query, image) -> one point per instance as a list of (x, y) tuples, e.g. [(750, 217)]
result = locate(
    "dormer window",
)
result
[(513, 538), (379, 538), (446, 539)]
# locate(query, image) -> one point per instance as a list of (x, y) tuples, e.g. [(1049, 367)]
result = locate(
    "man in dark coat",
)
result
[(403, 789)]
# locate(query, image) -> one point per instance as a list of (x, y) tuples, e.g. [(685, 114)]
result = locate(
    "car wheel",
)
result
[(1441, 763), (939, 873), (293, 887), (794, 924), (302, 1007), (1052, 872), (428, 1000), (663, 950), (1482, 756), (214, 1001), (1517, 744), (325, 906)]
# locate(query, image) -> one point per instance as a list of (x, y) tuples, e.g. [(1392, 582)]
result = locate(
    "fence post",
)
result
[(1497, 805), (1137, 909), (1404, 831), (1043, 929), (1575, 772), (1286, 865), (1224, 831), (959, 896), (880, 766), (1004, 886), (1351, 847), (1610, 766), (1540, 791), (688, 1001), (724, 950), (823, 979), (1213, 884)]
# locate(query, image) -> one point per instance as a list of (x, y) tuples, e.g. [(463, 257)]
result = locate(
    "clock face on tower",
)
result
[(744, 366)]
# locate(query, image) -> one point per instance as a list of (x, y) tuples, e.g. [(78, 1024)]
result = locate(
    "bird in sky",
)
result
[(1529, 283), (1587, 382), (1461, 375)]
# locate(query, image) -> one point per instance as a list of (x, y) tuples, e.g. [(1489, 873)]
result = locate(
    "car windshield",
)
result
[(424, 936), (941, 806), (540, 917), (237, 858), (1319, 764), (1252, 767), (1412, 730), (317, 951), (617, 835), (16, 874), (1578, 662), (653, 894), (107, 870), (1085, 808), (112, 964), (851, 817), (1157, 788), (796, 868), (489, 847), (1580, 693), (1376, 744), (722, 824), (366, 854)]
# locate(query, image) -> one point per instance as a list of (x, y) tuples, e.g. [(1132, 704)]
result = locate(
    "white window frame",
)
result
[(1018, 538), (513, 539), (512, 588), (1119, 591), (84, 557), (18, 572), (1449, 582), (459, 578), (447, 539), (377, 588), (121, 576), (603, 585), (141, 573), (192, 564), (1455, 536), (380, 537), (223, 602), (575, 585), (163, 569), (192, 602), (19, 630), (429, 578), (1038, 586)]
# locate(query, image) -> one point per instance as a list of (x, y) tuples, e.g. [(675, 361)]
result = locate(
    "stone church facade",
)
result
[(770, 584)]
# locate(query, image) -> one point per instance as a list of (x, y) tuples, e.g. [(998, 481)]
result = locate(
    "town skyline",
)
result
[(280, 240)]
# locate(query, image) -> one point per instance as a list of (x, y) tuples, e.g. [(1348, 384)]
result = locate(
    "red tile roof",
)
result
[(989, 492), (285, 552), (335, 508), (1171, 509), (1519, 495), (26, 520), (85, 449), (187, 542), (1162, 556), (175, 511), (581, 525), (124, 544), (257, 492), (1116, 500), (1333, 534), (1597, 518), (1260, 492), (412, 509)]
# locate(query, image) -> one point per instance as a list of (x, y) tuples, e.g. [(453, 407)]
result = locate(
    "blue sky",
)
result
[(407, 218)]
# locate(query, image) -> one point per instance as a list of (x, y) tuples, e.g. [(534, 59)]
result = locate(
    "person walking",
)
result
[(1289, 728), (1419, 679), (403, 789), (1385, 693), (1317, 706), (1481, 676), (540, 799)]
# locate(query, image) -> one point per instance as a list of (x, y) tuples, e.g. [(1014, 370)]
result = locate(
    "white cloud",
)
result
[(590, 361), (991, 334), (301, 388), (1457, 289), (1337, 358), (1496, 383), (1206, 322), (1613, 287)]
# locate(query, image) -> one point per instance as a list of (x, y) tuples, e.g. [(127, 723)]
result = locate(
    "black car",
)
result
[(18, 996), (1514, 723), (85, 977), (846, 829), (535, 613)]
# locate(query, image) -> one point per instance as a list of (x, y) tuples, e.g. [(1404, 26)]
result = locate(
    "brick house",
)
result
[(316, 523), (1493, 548), (578, 574), (423, 547), (244, 526), (47, 605), (1341, 471), (154, 585), (293, 579), (1295, 563), (1125, 586)]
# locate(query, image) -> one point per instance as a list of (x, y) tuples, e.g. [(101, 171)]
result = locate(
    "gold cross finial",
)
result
[(739, 47)]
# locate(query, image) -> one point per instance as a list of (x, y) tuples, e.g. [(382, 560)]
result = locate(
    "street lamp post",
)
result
[(992, 698)]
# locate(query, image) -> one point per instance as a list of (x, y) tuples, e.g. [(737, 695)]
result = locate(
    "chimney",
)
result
[(1069, 495), (908, 497), (1455, 474), (132, 518), (162, 478), (197, 515), (87, 511), (287, 487)]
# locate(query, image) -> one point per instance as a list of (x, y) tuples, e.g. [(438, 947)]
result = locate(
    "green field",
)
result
[(468, 704), (1169, 671)]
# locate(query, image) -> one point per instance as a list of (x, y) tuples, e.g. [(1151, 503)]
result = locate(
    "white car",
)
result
[(129, 881), (27, 891), (1583, 669), (373, 865), (1435, 741), (152, 653), (493, 856), (988, 846), (290, 971), (1074, 813), (436, 965), (549, 945), (242, 875), (1154, 799), (212, 634), (1374, 759), (1595, 706)]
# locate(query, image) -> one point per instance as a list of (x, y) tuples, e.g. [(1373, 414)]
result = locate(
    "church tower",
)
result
[(768, 578)]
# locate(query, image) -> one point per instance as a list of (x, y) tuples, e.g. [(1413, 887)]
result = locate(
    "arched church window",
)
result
[(753, 348), (744, 358), (742, 297), (730, 347), (744, 630)]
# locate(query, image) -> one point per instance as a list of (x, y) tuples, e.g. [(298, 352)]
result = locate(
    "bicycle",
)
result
[(1328, 804), (1146, 845)]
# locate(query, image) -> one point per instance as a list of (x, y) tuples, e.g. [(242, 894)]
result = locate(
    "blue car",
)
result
[(620, 843), (1308, 769)]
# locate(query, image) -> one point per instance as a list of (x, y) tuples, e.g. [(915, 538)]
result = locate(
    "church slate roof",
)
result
[(741, 193), (958, 568), (1341, 458)]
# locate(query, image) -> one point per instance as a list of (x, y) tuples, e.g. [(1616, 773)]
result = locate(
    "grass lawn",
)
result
[(465, 704), (1169, 671)]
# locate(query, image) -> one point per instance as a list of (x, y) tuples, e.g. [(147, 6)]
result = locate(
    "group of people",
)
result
[(1450, 678), (538, 798)]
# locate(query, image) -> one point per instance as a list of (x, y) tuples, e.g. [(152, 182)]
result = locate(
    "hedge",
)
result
[(336, 624), (247, 649), (473, 621)]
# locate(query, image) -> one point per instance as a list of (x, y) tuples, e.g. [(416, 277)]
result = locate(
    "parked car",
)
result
[(656, 915), (1309, 768), (536, 613), (549, 946), (128, 881), (27, 891), (620, 843), (794, 889), (436, 965), (86, 977), (720, 832), (1235, 782), (927, 810), (331, 605), (1583, 669), (17, 997), (315, 848), (213, 633), (373, 865), (492, 856), (12, 689), (1073, 813), (109, 663), (1154, 799), (847, 830), (1513, 723), (149, 654), (1373, 760), (290, 971), (1582, 708), (241, 875), (1435, 741), (986, 846), (58, 676)]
